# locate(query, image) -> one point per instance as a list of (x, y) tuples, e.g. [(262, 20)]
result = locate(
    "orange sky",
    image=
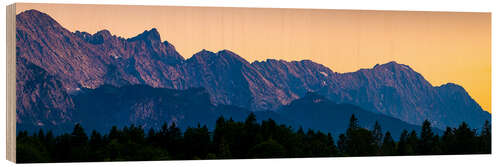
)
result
[(442, 46)]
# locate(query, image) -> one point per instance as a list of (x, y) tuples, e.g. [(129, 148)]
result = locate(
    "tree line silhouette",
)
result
[(248, 139)]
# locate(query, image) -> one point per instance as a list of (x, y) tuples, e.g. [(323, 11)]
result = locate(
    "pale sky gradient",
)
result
[(442, 46)]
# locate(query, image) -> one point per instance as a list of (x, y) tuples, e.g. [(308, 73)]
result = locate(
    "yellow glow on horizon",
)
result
[(442, 46)]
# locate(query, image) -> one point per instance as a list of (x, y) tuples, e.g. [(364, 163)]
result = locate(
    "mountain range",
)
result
[(60, 74)]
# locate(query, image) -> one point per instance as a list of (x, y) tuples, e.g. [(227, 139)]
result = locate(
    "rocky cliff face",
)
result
[(43, 42), (458, 106), (295, 78), (41, 98), (392, 89), (230, 79), (81, 60), (398, 91)]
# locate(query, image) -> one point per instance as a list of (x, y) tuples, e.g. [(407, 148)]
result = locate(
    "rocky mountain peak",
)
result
[(202, 55), (82, 34), (36, 21), (396, 75), (452, 85), (96, 38), (150, 35), (105, 34), (227, 52), (231, 55), (36, 16), (223, 56), (393, 66), (452, 88), (169, 45)]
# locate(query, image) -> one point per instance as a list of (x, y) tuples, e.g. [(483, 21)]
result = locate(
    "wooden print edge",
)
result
[(11, 83)]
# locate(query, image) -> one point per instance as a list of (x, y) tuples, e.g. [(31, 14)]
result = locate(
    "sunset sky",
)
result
[(442, 46)]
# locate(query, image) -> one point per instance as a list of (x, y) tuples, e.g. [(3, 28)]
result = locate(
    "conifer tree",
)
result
[(425, 144), (377, 134), (388, 146), (485, 138)]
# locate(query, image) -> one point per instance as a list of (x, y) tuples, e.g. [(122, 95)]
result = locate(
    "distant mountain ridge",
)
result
[(81, 60), (318, 112), (149, 107)]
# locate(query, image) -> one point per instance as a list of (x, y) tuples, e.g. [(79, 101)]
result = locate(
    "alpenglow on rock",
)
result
[(79, 60)]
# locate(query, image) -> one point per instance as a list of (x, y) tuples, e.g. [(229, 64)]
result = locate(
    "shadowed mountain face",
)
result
[(81, 60), (143, 105), (149, 107), (317, 112)]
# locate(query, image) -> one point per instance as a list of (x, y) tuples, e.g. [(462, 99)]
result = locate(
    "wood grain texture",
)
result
[(11, 83)]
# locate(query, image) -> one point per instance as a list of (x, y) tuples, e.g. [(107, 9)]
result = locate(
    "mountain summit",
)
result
[(151, 35)]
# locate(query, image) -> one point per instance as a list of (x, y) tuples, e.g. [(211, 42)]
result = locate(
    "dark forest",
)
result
[(241, 140)]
